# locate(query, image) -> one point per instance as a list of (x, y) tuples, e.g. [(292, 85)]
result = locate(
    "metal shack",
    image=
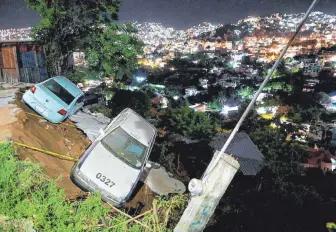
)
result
[(22, 61)]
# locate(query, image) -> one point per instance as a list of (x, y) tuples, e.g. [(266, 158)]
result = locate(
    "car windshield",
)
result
[(59, 91), (125, 147)]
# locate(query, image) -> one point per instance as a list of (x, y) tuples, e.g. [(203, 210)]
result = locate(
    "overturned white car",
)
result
[(115, 161)]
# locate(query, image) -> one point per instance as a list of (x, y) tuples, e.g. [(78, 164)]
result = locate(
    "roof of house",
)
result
[(251, 160), (232, 103)]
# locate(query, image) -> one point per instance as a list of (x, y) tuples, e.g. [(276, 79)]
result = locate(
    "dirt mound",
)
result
[(61, 138)]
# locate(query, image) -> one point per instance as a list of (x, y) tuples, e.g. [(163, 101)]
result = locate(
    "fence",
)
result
[(9, 75)]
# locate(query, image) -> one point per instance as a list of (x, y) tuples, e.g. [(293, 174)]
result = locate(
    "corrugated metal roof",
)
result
[(251, 160)]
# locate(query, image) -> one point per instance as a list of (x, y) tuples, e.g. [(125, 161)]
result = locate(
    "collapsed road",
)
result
[(21, 124)]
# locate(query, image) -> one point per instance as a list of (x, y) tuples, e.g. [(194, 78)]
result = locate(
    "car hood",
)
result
[(109, 173)]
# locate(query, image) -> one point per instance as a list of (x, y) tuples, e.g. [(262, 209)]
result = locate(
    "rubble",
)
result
[(161, 182), (90, 123)]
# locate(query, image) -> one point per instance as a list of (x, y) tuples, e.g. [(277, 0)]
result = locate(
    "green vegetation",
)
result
[(185, 121), (29, 199), (102, 109), (215, 104), (246, 93), (69, 26), (136, 100), (114, 52), (278, 85), (26, 193)]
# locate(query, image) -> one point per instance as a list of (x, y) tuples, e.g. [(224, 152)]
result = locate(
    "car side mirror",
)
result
[(148, 165)]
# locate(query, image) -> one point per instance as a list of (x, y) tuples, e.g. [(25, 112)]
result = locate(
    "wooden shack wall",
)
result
[(9, 71), (22, 62)]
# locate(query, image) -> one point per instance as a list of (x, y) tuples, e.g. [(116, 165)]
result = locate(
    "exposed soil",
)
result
[(142, 194), (20, 126), (60, 138)]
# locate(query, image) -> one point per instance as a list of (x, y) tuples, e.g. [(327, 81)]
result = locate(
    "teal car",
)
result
[(55, 99)]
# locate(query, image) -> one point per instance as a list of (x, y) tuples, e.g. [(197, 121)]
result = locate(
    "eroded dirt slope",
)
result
[(19, 123), (60, 138)]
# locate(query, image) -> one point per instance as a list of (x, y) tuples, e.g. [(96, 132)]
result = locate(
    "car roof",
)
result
[(138, 127), (68, 85)]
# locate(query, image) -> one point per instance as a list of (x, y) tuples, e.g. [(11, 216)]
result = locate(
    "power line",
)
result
[(249, 107)]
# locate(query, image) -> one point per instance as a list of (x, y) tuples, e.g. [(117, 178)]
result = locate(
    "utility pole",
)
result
[(207, 192), (201, 208)]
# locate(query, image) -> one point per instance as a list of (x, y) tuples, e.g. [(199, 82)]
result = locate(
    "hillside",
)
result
[(272, 25)]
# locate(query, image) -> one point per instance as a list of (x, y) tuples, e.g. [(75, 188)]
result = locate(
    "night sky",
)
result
[(176, 13)]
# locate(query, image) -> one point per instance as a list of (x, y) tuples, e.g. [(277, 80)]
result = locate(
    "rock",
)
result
[(159, 181), (42, 121)]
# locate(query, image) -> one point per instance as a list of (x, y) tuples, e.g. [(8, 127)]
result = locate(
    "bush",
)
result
[(26, 193), (76, 76), (102, 110), (191, 124), (136, 100)]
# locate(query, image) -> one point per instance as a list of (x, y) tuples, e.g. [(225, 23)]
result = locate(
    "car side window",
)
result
[(80, 99)]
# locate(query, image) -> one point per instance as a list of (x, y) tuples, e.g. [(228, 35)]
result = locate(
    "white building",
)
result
[(227, 83), (311, 69), (191, 91), (204, 83), (230, 106)]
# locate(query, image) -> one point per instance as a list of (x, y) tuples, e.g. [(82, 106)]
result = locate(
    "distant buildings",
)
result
[(225, 83), (204, 83), (199, 107), (322, 160), (191, 91), (231, 107), (22, 34), (309, 84), (312, 69)]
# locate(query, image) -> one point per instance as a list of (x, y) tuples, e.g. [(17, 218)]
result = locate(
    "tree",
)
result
[(115, 51), (215, 104), (278, 85), (289, 59), (246, 93), (187, 122), (136, 100), (278, 72), (68, 25)]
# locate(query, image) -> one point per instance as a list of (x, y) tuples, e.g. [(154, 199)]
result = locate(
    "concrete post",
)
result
[(200, 208)]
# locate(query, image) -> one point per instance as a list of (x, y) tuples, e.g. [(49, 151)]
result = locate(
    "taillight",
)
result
[(62, 112), (33, 89)]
